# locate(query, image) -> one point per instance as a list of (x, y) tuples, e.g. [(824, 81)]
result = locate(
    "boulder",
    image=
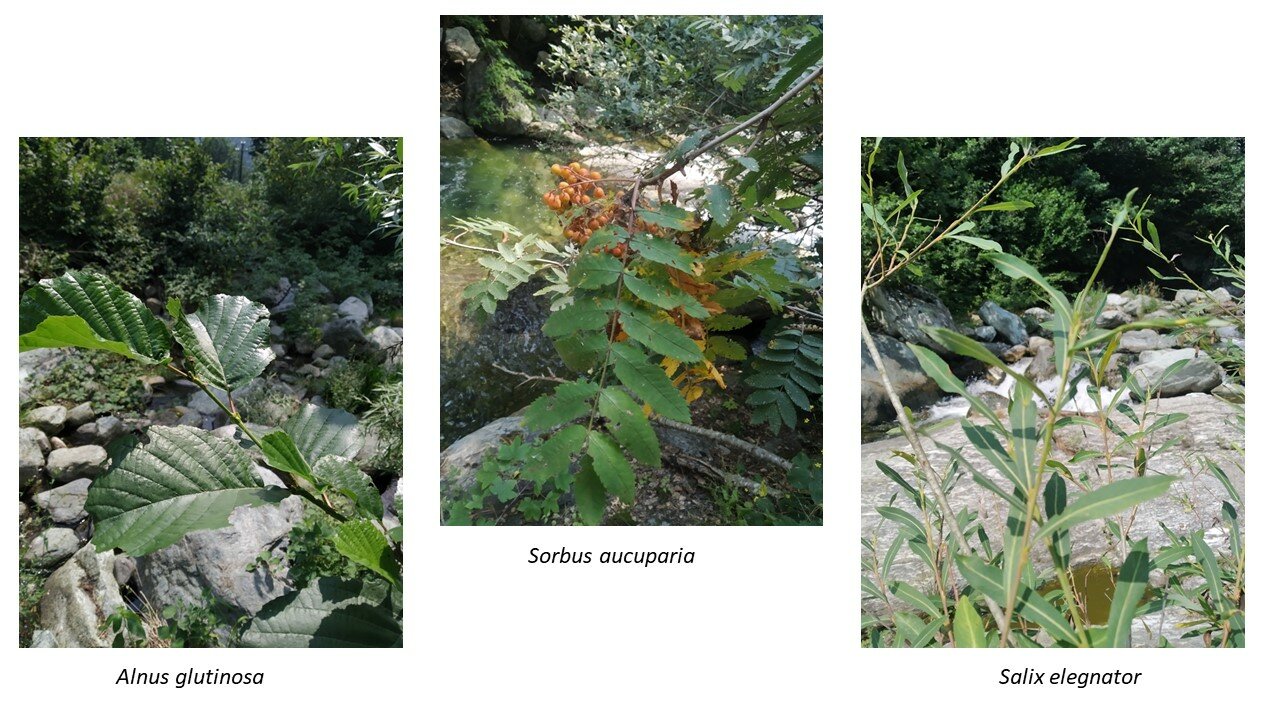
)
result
[(49, 419), (1115, 300), (904, 312), (125, 569), (77, 597), (86, 461), (53, 546), (275, 294), (460, 461), (915, 388), (353, 308), (224, 561), (460, 47), (1014, 354), (1230, 392), (1112, 318), (109, 428), (452, 128), (383, 338), (1200, 375), (38, 437), (343, 334), (80, 414), (1136, 341), (1008, 326), (510, 118), (30, 456), (982, 333), (324, 352), (65, 503), (1043, 364)]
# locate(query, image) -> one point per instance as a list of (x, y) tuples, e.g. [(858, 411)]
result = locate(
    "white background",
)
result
[(764, 624)]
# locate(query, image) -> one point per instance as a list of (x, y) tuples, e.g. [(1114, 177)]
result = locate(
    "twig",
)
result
[(754, 451), (530, 378)]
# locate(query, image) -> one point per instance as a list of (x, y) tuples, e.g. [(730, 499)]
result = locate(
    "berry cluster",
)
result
[(579, 186)]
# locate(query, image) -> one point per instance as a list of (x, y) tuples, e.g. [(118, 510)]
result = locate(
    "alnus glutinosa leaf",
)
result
[(225, 340), (87, 310), (330, 612), (181, 479)]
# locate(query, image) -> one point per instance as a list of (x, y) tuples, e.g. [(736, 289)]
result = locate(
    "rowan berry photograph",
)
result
[(631, 270)]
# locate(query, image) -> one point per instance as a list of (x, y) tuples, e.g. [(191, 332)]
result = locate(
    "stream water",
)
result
[(502, 182), (1083, 402)]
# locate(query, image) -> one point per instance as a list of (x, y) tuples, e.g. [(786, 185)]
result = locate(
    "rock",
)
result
[(451, 128), (1188, 298), (1201, 374), (276, 293), (1165, 358), (1038, 314), (915, 389), (30, 456), (306, 343), (49, 419), (1014, 354), (57, 443), (86, 434), (53, 546), (324, 352), (1044, 365), (23, 511), (34, 366), (109, 428), (279, 351), (1230, 392), (982, 333), (1112, 318), (310, 370), (153, 381), (390, 496), (383, 338), (507, 117), (353, 308), (38, 437), (1008, 326), (41, 638), (86, 461), (460, 47), (201, 402), (1115, 300), (1136, 341), (80, 414), (1221, 295), (78, 596), (125, 568), (993, 400), (216, 560), (1230, 332), (65, 503), (343, 334), (156, 306), (904, 312), (460, 461)]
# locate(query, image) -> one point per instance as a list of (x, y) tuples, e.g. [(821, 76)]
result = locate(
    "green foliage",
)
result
[(788, 376), (519, 481), (504, 85), (179, 479), (112, 383), (384, 423), (192, 625)]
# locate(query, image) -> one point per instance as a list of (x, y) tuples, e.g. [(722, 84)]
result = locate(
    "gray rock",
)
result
[(109, 428), (201, 402), (515, 115), (1229, 332), (125, 569), (460, 47), (1136, 341), (982, 333), (53, 546), (1008, 326), (49, 419), (915, 389), (451, 128), (80, 414), (65, 503), (86, 461), (324, 352), (280, 351), (23, 511), (30, 456), (905, 312), (343, 334), (1115, 300), (1112, 318), (1230, 392), (216, 560), (1165, 358), (310, 370), (1043, 365), (34, 366), (1221, 295), (389, 498), (38, 437), (41, 638), (86, 434), (460, 461), (57, 443), (1201, 374), (153, 382), (1014, 354), (383, 338), (353, 308), (276, 293), (78, 596)]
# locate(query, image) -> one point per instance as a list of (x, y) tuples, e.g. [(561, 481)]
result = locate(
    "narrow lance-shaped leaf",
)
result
[(1109, 500), (181, 479), (630, 426), (968, 628), (225, 340), (633, 369), (1029, 604), (611, 467), (87, 310), (1130, 587)]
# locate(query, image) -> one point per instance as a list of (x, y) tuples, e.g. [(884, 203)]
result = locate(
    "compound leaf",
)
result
[(632, 367)]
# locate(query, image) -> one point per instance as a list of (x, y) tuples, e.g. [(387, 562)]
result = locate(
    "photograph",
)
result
[(210, 386), (1053, 392), (631, 216)]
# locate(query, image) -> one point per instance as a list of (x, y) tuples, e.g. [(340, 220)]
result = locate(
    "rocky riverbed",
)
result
[(63, 449)]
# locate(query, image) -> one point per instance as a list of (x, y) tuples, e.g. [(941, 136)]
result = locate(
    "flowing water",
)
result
[(1083, 402), (502, 182)]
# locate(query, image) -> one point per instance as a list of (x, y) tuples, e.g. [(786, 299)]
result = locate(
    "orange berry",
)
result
[(555, 169), (575, 166), (599, 193)]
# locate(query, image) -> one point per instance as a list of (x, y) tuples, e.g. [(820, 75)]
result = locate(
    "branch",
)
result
[(754, 451), (759, 118), (530, 378)]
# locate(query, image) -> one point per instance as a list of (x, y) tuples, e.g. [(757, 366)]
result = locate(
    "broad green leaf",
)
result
[(633, 369), (589, 494), (363, 543), (611, 467), (320, 431), (568, 402), (595, 270), (556, 454), (718, 200), (662, 251), (1109, 500), (1006, 206), (87, 310), (225, 340), (659, 335), (630, 426), (283, 454), (1029, 604), (661, 292), (671, 216), (1130, 587), (583, 314), (180, 480), (333, 472), (327, 613), (968, 628)]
